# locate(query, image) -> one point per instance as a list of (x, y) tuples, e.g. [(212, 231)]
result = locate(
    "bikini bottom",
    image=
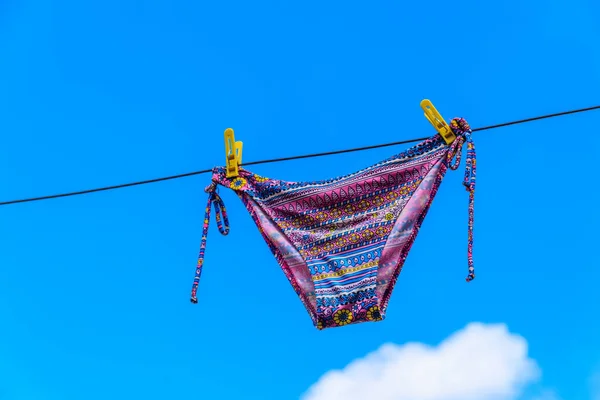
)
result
[(342, 242)]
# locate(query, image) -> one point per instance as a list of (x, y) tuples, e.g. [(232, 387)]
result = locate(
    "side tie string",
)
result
[(223, 225), (462, 130)]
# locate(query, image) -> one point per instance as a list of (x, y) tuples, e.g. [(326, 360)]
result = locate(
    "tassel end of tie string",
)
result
[(470, 277), (193, 298)]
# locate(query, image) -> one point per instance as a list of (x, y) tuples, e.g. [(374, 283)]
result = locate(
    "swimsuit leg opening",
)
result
[(404, 233), (289, 259)]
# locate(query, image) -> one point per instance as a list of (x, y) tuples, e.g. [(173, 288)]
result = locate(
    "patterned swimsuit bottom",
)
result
[(342, 242)]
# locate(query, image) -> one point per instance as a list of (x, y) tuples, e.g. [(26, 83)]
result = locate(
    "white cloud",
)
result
[(479, 362)]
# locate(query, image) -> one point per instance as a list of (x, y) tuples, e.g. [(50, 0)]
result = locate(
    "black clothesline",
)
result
[(274, 160)]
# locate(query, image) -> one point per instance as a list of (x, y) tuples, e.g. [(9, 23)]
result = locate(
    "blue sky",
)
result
[(94, 289)]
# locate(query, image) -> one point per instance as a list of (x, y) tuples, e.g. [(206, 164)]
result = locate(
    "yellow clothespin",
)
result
[(438, 121), (233, 153)]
